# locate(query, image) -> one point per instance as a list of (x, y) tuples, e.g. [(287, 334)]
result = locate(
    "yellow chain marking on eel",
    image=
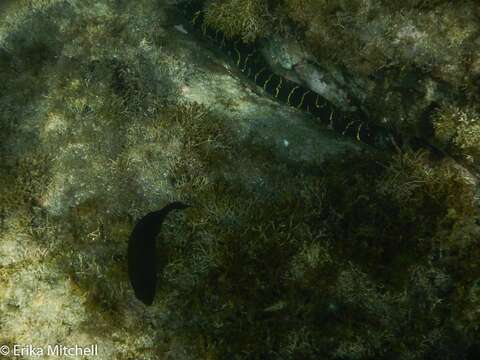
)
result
[(195, 17), (246, 60), (291, 93), (358, 131), (216, 34), (349, 124), (238, 53), (330, 121), (222, 43), (268, 80), (303, 98), (258, 73), (277, 90), (316, 101)]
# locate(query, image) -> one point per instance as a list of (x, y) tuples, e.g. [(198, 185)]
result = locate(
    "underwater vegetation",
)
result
[(367, 255), (344, 265), (245, 18), (458, 131)]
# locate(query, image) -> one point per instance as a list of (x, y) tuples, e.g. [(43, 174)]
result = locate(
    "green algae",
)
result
[(369, 256)]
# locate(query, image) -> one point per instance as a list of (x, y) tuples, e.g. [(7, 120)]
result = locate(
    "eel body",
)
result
[(250, 61), (354, 124)]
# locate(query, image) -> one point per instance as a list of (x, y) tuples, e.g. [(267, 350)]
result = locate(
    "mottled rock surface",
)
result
[(299, 243), (104, 109), (400, 61)]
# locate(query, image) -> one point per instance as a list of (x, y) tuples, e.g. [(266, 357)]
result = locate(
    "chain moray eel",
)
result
[(251, 63), (142, 261)]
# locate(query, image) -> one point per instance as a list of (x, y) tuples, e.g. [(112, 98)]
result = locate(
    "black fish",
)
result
[(142, 262)]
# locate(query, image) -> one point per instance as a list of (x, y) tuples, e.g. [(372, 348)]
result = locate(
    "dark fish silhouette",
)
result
[(142, 262)]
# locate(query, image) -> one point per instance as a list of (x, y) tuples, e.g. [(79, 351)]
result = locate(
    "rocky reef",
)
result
[(300, 243)]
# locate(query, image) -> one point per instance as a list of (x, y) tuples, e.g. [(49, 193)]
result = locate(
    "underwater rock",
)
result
[(398, 62), (109, 108), (288, 58)]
